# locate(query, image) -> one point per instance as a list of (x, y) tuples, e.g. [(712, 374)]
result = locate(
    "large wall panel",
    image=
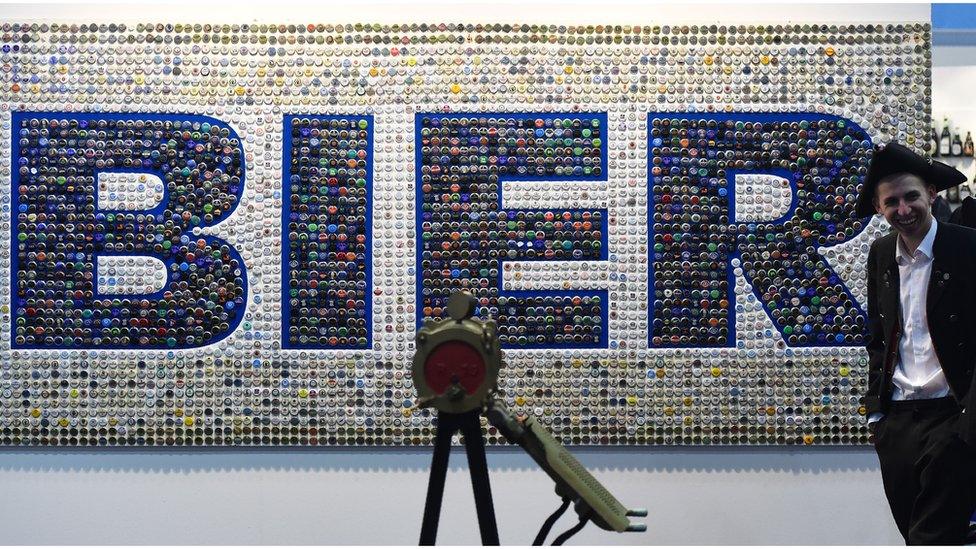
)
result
[(227, 234)]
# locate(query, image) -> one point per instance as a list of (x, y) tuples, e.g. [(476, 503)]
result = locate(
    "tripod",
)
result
[(469, 424)]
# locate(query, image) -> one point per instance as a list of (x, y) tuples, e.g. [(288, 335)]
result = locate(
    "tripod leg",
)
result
[(474, 443), (435, 486)]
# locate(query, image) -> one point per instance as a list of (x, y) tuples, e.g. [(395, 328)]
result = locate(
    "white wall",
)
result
[(953, 90), (759, 496), (695, 496), (503, 11)]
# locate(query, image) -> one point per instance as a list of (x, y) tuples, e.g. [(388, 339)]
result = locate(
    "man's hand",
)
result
[(873, 421)]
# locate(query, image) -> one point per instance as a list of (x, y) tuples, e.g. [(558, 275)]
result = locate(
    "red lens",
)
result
[(454, 362)]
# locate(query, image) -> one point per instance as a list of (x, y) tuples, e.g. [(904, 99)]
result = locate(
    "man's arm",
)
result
[(874, 343), (968, 402)]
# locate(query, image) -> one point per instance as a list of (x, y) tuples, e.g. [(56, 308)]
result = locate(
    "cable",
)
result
[(572, 531), (540, 538)]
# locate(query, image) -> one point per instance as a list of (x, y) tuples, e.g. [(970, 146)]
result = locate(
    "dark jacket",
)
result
[(951, 310), (965, 214), (941, 210)]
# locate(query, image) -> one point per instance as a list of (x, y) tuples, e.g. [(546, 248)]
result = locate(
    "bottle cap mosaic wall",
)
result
[(228, 234)]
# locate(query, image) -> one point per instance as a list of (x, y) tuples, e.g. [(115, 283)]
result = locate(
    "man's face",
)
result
[(905, 201)]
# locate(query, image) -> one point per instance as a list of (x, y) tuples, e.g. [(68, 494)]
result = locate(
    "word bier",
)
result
[(799, 171)]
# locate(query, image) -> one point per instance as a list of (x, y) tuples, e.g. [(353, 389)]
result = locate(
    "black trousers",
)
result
[(929, 473)]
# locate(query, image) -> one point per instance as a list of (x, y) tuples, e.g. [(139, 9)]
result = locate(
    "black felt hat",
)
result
[(896, 158)]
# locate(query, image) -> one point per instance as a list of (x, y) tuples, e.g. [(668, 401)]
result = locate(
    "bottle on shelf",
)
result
[(956, 144), (967, 147), (934, 142), (945, 139)]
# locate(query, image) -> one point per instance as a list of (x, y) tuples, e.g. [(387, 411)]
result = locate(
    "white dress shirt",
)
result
[(918, 373)]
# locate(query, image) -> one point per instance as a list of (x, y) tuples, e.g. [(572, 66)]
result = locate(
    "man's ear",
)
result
[(932, 194)]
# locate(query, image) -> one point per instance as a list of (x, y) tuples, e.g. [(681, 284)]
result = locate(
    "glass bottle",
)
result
[(945, 140), (956, 144)]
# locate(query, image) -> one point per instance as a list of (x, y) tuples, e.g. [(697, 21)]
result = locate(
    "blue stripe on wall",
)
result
[(953, 16)]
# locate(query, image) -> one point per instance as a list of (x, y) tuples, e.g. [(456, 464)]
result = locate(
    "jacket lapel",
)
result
[(941, 270), (890, 294)]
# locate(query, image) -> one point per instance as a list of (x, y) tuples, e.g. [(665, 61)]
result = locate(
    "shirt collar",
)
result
[(901, 255)]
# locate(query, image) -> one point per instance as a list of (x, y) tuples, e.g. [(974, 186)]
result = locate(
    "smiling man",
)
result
[(922, 324)]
